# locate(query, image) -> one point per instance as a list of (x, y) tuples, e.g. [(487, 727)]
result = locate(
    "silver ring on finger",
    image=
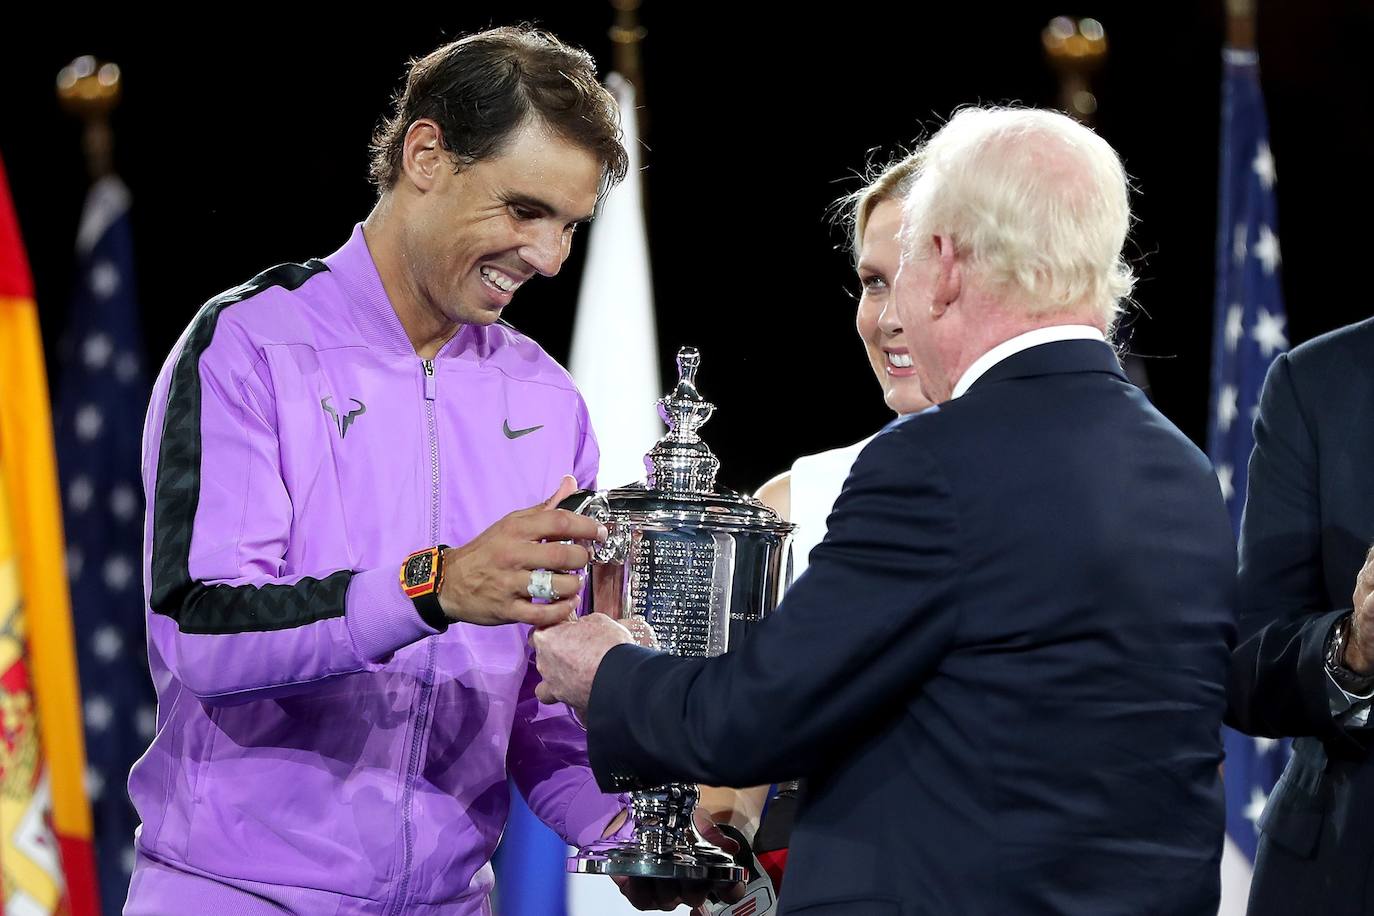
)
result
[(541, 585)]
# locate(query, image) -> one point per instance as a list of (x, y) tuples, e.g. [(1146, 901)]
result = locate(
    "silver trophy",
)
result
[(690, 571)]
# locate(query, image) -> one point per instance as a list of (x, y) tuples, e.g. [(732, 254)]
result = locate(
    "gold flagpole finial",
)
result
[(626, 36), (1076, 48), (90, 90), (87, 87), (1240, 24)]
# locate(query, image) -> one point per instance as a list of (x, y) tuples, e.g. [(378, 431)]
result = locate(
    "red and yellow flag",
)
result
[(46, 862)]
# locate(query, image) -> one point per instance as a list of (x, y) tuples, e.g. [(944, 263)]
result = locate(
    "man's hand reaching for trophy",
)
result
[(568, 655)]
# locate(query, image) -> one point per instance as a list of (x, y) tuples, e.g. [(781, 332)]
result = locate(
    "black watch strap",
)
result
[(430, 611)]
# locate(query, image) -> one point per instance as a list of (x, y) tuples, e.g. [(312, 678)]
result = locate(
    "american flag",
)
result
[(103, 391), (1250, 332)]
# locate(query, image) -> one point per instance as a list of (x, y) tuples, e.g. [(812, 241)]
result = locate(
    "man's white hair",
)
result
[(1036, 202)]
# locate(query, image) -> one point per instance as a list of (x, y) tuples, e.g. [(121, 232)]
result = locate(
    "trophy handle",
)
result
[(589, 503), (606, 584), (594, 504)]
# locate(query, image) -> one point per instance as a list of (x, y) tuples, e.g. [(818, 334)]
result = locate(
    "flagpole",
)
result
[(91, 90), (1077, 49), (626, 36), (1240, 24)]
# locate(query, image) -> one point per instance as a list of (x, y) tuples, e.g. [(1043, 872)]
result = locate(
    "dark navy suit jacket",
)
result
[(1309, 520), (1003, 673)]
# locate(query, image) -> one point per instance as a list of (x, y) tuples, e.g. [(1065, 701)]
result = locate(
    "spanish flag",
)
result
[(46, 863)]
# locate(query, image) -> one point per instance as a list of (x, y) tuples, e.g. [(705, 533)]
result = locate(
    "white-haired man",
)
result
[(1003, 672)]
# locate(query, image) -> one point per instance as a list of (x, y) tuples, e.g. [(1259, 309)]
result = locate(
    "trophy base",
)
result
[(703, 863)]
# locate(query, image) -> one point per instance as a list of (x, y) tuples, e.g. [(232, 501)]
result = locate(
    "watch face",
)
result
[(419, 569)]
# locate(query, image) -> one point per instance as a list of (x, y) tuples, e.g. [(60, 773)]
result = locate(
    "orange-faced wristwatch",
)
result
[(422, 574)]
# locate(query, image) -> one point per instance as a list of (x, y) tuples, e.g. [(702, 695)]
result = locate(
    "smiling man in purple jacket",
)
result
[(341, 695)]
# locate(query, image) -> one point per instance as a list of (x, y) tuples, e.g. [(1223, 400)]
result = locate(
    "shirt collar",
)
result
[(1023, 342)]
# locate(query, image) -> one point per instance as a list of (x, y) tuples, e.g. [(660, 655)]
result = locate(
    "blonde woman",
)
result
[(806, 493)]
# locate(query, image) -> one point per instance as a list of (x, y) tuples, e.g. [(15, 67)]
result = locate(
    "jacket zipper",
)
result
[(427, 681)]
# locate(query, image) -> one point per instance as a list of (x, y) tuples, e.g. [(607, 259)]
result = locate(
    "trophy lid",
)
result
[(680, 463)]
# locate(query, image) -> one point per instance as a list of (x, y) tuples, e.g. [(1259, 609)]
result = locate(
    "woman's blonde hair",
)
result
[(887, 182)]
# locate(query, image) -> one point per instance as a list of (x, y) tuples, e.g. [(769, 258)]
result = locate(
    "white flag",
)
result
[(615, 364), (1235, 880), (614, 346)]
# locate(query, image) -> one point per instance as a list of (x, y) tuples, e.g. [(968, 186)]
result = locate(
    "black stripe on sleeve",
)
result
[(195, 606)]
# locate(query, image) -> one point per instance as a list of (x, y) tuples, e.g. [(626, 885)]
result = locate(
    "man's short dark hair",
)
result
[(483, 87)]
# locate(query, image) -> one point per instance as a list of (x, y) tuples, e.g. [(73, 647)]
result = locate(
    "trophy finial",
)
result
[(688, 362), (681, 462)]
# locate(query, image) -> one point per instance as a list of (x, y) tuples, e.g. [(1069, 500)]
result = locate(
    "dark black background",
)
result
[(244, 140)]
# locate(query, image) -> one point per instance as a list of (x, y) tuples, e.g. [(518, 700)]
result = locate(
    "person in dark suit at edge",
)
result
[(1305, 665), (1003, 673)]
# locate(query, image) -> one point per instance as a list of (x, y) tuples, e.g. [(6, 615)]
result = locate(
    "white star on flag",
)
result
[(1235, 326), (104, 279), (1268, 333), (99, 713), (88, 422), (1267, 249), (1224, 474), (80, 492), (145, 720), (96, 350), (118, 571), (123, 502), (106, 643), (95, 783), (1255, 809), (126, 367), (1228, 407), (1239, 246), (1264, 166)]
